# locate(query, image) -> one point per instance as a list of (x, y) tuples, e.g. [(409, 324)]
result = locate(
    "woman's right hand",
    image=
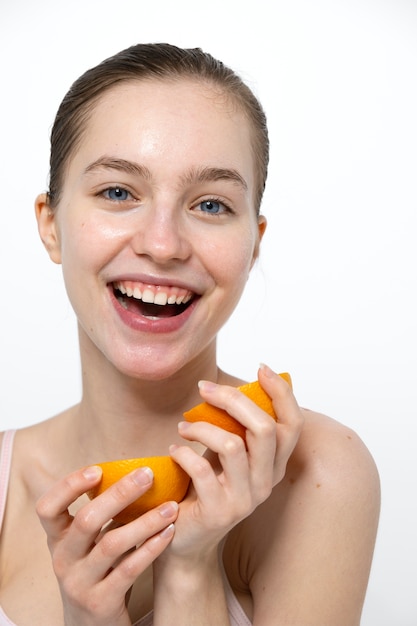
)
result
[(96, 567)]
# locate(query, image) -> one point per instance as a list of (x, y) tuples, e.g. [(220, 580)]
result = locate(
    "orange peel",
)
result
[(170, 483), (205, 412)]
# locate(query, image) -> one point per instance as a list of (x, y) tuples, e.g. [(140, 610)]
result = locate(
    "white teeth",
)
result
[(148, 296), (161, 298)]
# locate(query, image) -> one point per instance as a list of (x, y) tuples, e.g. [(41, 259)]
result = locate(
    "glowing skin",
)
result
[(138, 212)]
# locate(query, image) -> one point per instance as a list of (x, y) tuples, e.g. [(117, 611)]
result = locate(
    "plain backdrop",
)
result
[(333, 297)]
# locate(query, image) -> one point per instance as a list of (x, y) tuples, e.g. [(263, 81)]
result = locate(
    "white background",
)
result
[(332, 299)]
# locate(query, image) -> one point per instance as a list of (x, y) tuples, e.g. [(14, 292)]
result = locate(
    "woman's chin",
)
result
[(155, 367)]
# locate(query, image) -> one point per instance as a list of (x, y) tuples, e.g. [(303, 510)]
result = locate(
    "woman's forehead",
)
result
[(182, 119), (180, 94)]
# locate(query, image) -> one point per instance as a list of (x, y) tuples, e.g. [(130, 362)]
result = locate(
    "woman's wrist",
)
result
[(187, 571), (189, 590)]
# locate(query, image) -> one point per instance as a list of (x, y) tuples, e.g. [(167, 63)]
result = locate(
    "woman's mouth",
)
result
[(152, 301)]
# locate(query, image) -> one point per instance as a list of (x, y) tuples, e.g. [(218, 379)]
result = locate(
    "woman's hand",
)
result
[(232, 479), (97, 566)]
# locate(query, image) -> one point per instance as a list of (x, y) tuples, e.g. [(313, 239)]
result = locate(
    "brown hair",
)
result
[(144, 61)]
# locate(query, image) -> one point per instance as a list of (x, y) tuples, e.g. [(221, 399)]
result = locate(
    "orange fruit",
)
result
[(205, 412), (170, 483)]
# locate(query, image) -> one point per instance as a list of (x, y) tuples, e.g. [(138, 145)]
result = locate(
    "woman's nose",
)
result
[(162, 236)]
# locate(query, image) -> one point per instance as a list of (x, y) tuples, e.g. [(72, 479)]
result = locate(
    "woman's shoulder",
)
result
[(31, 449), (332, 457), (22, 437), (327, 432), (331, 468), (315, 534)]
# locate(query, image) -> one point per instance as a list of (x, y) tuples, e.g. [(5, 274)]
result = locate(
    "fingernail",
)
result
[(93, 472), (168, 509), (266, 370), (207, 385), (183, 426), (142, 476), (168, 531)]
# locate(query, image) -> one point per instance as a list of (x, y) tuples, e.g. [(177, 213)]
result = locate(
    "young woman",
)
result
[(158, 164)]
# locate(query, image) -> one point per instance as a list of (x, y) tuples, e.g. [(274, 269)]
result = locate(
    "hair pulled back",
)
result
[(146, 61)]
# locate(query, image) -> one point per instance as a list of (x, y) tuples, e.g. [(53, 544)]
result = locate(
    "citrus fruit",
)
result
[(170, 483), (205, 412)]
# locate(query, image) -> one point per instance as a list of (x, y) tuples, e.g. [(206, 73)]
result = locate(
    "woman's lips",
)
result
[(152, 308)]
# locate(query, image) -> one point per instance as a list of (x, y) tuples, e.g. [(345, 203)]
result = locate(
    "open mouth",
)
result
[(152, 301)]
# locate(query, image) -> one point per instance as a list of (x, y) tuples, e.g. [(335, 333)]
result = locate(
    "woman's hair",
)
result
[(147, 61)]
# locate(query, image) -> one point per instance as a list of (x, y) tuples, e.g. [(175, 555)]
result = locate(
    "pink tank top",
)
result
[(236, 613)]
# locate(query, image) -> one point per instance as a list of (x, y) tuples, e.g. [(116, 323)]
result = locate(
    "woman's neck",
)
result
[(122, 417)]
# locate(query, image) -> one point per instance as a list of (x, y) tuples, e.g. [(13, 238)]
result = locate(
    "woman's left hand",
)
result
[(232, 478)]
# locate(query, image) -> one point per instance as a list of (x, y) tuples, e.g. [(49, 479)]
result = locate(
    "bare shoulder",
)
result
[(33, 452), (331, 470), (314, 537), (326, 444)]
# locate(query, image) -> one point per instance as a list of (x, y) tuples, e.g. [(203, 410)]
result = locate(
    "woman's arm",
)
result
[(228, 485)]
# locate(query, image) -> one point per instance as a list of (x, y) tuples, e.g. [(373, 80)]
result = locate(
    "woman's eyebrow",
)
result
[(122, 165), (211, 174), (192, 177)]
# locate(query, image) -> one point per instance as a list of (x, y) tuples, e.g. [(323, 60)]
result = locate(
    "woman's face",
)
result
[(156, 228)]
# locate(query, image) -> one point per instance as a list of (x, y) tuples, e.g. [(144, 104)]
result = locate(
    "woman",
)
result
[(158, 164)]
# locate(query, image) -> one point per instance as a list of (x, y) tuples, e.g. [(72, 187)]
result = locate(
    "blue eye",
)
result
[(117, 194), (211, 206)]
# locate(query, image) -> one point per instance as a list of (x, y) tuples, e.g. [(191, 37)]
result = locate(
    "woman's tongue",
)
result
[(151, 310)]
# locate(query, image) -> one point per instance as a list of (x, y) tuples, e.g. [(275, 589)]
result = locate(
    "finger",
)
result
[(52, 507), (290, 417), (285, 405), (261, 441), (269, 445), (260, 427), (237, 405), (105, 595), (123, 575), (232, 460), (248, 469), (224, 479), (202, 474), (116, 543), (89, 520)]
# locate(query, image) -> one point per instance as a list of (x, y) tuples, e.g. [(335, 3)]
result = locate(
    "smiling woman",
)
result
[(160, 230), (159, 159)]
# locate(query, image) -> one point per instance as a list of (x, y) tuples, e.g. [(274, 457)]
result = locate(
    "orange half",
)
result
[(170, 483), (205, 412)]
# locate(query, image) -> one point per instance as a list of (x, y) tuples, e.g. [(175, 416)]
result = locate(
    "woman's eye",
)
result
[(212, 207), (117, 194)]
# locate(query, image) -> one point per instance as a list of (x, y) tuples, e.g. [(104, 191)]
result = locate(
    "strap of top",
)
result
[(5, 463)]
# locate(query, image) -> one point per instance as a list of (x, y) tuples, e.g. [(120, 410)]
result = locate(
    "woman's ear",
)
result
[(47, 227), (262, 223)]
